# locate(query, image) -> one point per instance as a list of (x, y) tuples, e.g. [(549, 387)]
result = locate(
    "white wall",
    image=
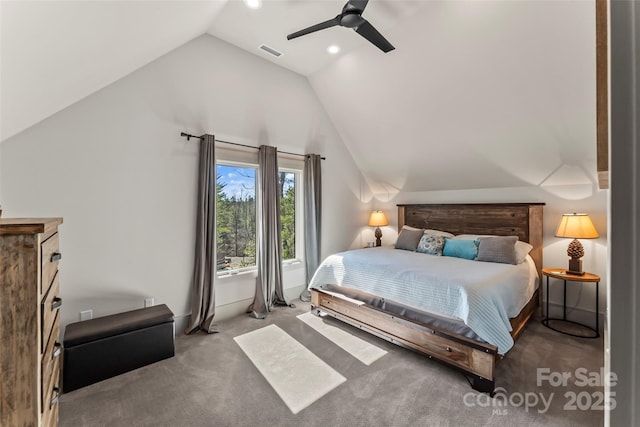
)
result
[(116, 169)]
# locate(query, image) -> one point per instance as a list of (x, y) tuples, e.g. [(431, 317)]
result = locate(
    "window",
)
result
[(236, 217), (287, 182)]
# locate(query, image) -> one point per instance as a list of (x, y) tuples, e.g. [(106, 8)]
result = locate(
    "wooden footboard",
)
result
[(474, 358)]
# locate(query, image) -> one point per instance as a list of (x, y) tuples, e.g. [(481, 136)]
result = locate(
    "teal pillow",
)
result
[(466, 249)]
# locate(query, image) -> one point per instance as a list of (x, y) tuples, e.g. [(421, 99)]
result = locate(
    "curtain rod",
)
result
[(189, 136)]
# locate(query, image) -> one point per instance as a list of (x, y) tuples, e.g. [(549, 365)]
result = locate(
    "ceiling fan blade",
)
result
[(358, 5), (321, 26), (367, 31)]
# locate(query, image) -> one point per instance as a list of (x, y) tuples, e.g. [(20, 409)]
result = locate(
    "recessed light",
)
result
[(253, 4), (333, 49)]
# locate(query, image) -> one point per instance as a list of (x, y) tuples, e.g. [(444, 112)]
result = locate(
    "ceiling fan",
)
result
[(351, 17)]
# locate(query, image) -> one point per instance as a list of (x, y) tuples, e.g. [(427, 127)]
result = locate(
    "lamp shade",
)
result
[(576, 226), (377, 219)]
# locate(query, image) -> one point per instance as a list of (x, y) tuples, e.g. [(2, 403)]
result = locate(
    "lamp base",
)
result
[(575, 267), (378, 235)]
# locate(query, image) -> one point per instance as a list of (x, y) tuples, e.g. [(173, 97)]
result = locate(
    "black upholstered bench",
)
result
[(104, 347)]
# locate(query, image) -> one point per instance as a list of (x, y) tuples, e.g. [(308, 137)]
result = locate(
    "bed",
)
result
[(376, 289)]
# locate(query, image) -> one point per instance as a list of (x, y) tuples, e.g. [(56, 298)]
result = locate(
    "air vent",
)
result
[(270, 50)]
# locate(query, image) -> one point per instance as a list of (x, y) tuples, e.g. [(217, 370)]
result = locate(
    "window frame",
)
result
[(298, 260), (299, 218), (240, 164)]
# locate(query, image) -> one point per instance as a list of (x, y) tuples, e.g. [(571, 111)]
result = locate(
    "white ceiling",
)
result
[(270, 25), (504, 87), (481, 94), (54, 53)]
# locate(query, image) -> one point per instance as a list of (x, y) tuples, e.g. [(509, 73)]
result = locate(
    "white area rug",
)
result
[(360, 349), (295, 373)]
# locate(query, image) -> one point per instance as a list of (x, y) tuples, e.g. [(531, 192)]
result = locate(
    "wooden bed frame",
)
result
[(477, 360)]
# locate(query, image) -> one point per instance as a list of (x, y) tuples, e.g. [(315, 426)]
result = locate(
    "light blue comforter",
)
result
[(482, 294)]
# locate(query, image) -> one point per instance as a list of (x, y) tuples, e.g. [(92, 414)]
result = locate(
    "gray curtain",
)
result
[(203, 303), (312, 184), (269, 290)]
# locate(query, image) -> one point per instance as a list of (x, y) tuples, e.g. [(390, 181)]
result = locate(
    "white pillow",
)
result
[(438, 233), (470, 236), (522, 248)]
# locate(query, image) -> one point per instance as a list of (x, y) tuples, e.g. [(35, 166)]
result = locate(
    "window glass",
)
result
[(287, 183), (236, 216)]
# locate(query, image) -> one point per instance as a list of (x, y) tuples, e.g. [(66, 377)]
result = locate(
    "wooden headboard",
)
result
[(503, 219)]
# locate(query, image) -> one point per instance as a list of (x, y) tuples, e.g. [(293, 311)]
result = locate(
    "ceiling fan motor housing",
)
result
[(351, 19)]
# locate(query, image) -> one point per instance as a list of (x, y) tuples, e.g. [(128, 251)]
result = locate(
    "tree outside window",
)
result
[(236, 216), (237, 219), (287, 185)]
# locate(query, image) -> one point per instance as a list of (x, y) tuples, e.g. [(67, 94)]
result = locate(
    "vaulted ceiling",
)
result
[(477, 94)]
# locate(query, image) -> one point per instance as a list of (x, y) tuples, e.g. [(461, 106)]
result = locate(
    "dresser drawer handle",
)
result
[(56, 256), (56, 390), (57, 350), (56, 303)]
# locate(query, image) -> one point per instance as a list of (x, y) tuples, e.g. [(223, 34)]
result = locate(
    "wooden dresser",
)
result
[(29, 321)]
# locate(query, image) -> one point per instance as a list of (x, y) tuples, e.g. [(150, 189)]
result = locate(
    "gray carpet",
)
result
[(211, 382)]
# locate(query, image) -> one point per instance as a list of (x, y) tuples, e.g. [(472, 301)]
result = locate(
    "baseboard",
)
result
[(580, 315), (293, 293), (181, 323), (237, 308)]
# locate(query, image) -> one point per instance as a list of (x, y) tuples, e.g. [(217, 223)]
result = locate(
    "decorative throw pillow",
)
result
[(430, 244), (466, 249), (500, 249), (409, 238)]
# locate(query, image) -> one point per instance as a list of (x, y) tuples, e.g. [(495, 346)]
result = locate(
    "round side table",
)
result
[(562, 274)]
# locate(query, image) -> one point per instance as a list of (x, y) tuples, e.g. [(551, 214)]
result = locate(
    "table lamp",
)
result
[(377, 219), (576, 226)]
